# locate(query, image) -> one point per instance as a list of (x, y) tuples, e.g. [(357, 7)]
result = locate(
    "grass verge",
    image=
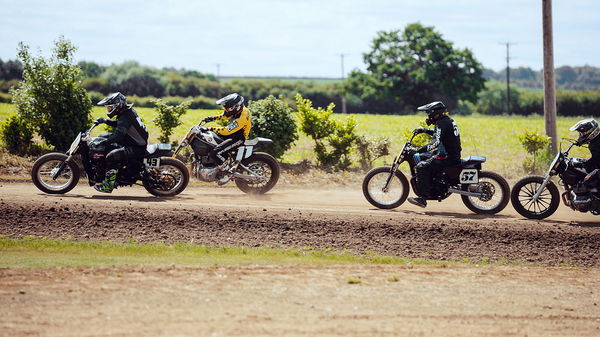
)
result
[(35, 252)]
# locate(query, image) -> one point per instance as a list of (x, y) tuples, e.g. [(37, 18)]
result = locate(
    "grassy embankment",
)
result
[(32, 252), (492, 136)]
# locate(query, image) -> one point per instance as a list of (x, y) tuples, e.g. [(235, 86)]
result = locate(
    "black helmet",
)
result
[(434, 111), (115, 104), (588, 129), (233, 104)]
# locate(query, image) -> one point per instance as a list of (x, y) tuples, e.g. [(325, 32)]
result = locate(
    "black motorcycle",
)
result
[(253, 172), (58, 173), (483, 192), (537, 197)]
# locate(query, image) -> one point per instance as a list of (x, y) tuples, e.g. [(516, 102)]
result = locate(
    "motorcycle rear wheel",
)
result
[(497, 193), (44, 168), (266, 166), (373, 185), (522, 198)]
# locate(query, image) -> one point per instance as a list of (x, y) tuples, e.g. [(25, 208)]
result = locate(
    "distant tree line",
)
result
[(404, 69), (567, 77)]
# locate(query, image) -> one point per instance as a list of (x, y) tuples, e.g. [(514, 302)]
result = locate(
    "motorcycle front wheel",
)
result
[(45, 168), (522, 198), (265, 167), (169, 179), (374, 183), (495, 191)]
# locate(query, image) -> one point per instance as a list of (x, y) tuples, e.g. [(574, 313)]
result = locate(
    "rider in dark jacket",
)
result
[(443, 150), (130, 134), (588, 134)]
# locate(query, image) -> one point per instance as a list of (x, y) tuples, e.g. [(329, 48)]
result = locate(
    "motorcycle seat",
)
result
[(151, 148), (472, 160), (257, 140)]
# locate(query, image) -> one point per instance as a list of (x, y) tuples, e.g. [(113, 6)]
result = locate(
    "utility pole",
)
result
[(343, 76), (549, 80), (508, 76), (218, 81)]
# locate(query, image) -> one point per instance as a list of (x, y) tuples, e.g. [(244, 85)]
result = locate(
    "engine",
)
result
[(583, 199)]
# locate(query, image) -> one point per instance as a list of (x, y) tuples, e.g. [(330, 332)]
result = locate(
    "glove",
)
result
[(100, 120), (419, 130), (208, 119)]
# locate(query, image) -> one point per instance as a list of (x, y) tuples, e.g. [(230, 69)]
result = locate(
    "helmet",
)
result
[(233, 104), (588, 129), (434, 111), (115, 104)]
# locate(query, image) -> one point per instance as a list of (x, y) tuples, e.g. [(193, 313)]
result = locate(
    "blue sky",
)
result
[(293, 38)]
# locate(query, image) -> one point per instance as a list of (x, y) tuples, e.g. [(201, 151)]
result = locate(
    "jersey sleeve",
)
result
[(234, 125)]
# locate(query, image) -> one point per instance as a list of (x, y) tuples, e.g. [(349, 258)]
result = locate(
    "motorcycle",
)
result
[(483, 192), (58, 173), (253, 172), (537, 197)]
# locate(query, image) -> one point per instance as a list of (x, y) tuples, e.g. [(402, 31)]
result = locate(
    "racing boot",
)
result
[(419, 201), (108, 184)]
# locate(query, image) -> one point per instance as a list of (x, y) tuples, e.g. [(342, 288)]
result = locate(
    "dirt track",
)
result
[(338, 219), (301, 300)]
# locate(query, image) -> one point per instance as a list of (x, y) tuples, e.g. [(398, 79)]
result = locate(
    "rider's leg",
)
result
[(114, 160)]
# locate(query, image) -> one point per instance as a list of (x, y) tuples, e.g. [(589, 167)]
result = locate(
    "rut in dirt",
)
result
[(439, 238)]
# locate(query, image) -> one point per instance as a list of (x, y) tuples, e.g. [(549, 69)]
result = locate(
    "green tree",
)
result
[(273, 118), (416, 66), (168, 118), (51, 98)]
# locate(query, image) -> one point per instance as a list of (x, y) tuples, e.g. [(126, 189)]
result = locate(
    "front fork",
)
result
[(541, 188), (393, 170), (61, 167)]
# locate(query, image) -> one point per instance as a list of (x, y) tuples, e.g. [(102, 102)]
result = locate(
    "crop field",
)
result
[(495, 137)]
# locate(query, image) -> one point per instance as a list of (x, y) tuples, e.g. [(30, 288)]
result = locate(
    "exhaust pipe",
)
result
[(467, 193)]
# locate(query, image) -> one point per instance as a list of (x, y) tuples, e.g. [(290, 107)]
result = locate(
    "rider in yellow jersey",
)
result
[(235, 133)]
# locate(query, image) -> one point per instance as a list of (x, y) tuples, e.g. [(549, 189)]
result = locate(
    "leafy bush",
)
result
[(533, 142), (333, 139), (168, 118), (273, 118), (51, 98), (371, 148), (17, 135)]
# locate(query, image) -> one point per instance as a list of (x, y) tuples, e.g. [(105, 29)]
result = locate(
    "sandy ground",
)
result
[(542, 298)]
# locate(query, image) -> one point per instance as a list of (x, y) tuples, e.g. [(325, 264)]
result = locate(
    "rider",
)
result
[(234, 134), (443, 150), (588, 131), (130, 134)]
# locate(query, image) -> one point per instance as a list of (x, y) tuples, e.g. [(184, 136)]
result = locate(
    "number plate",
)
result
[(152, 162), (469, 176)]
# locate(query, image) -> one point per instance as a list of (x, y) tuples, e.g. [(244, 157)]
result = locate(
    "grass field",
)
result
[(494, 137), (33, 252)]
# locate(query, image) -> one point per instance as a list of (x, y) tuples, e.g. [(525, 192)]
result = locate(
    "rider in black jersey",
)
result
[(443, 150)]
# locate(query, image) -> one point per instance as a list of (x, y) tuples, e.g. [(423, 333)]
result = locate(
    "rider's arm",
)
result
[(122, 124), (234, 126), (110, 122), (594, 162), (213, 118)]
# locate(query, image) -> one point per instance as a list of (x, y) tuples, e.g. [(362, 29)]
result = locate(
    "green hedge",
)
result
[(198, 102)]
